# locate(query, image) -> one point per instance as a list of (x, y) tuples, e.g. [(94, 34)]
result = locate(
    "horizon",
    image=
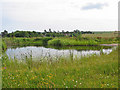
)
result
[(61, 30)]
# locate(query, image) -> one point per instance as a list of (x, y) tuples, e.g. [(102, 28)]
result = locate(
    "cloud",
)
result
[(59, 14), (94, 6)]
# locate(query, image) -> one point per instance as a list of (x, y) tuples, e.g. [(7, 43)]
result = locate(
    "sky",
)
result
[(67, 15)]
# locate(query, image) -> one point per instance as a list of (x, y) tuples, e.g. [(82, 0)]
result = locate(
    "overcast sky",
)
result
[(59, 15)]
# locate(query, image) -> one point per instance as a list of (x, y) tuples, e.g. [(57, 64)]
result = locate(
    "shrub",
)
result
[(55, 42)]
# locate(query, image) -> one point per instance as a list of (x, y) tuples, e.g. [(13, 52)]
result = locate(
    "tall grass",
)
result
[(3, 45), (88, 72), (0, 62), (103, 35), (64, 41), (71, 42), (39, 41)]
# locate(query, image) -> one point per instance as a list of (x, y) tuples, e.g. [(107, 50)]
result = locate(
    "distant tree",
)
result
[(54, 31), (50, 31), (12, 35), (48, 35), (63, 31), (45, 31), (34, 32), (67, 32), (4, 33)]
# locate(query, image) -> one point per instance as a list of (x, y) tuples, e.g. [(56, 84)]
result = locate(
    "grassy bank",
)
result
[(83, 41), (88, 72), (39, 41), (70, 42), (79, 48)]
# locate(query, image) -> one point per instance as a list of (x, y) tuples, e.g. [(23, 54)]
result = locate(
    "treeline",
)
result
[(46, 33)]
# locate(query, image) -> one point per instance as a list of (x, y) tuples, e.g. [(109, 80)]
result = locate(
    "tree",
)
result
[(50, 31), (45, 31), (4, 33)]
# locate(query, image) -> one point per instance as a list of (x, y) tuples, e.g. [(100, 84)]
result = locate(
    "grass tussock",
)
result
[(70, 42)]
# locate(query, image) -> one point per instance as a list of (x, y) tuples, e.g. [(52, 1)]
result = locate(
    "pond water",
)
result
[(37, 52)]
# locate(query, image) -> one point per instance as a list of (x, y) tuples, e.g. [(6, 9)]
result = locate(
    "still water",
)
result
[(37, 52)]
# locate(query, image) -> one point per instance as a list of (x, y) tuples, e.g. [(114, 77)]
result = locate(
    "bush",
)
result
[(45, 40), (55, 42), (37, 39)]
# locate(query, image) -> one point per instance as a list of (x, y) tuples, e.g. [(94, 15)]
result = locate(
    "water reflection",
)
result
[(38, 52)]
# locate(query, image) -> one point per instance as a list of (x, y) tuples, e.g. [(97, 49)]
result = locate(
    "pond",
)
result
[(40, 52)]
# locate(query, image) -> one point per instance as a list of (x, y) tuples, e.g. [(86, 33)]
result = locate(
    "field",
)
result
[(87, 72), (101, 34)]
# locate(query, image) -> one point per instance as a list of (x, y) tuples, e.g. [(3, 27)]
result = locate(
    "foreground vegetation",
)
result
[(0, 63), (91, 72)]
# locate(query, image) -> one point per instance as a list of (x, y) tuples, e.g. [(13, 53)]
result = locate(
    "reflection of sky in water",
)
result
[(38, 52)]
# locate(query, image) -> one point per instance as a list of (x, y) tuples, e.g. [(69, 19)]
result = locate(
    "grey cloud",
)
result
[(94, 6)]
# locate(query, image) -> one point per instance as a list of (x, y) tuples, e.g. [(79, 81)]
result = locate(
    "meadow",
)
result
[(92, 72), (101, 34), (87, 72)]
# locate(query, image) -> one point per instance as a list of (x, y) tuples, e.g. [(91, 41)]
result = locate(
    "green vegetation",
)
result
[(102, 35), (3, 45), (79, 48), (70, 42), (0, 63), (94, 72), (86, 72), (85, 41), (61, 41), (75, 38), (39, 41), (49, 33)]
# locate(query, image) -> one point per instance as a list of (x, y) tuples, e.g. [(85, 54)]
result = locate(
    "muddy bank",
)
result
[(108, 44)]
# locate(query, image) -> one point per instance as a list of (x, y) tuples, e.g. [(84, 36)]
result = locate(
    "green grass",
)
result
[(79, 48), (102, 34), (39, 41), (0, 62), (1, 50), (70, 42), (103, 37), (86, 39), (88, 72), (3, 46)]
